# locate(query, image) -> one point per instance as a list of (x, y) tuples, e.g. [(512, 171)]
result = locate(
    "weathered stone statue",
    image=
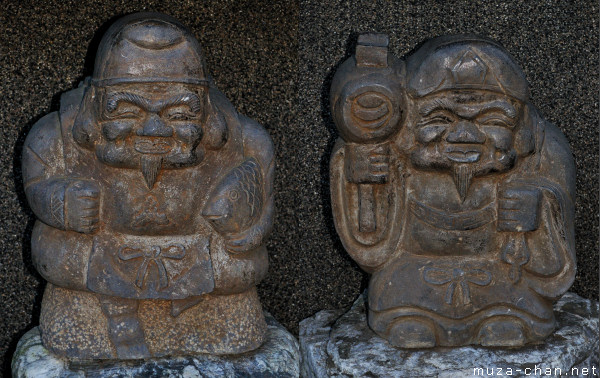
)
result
[(154, 199), (450, 188)]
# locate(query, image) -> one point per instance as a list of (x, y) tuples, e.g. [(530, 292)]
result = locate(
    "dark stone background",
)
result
[(278, 73)]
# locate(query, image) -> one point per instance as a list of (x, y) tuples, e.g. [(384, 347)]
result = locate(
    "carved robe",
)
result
[(152, 243), (446, 261)]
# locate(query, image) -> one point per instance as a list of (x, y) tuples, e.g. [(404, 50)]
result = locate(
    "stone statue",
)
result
[(450, 188), (154, 198)]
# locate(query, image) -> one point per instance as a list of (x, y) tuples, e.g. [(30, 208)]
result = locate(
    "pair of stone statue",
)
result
[(154, 198)]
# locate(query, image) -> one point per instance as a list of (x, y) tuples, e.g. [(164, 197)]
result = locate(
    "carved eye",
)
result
[(438, 119), (180, 113), (432, 127), (125, 105), (125, 110), (234, 195), (180, 117), (496, 121)]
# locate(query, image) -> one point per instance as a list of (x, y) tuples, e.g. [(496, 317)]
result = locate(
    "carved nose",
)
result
[(154, 126), (466, 132)]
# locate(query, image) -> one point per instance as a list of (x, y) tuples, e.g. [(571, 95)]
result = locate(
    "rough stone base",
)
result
[(279, 356), (335, 344)]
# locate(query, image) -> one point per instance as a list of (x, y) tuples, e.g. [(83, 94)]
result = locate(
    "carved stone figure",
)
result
[(450, 188), (154, 198)]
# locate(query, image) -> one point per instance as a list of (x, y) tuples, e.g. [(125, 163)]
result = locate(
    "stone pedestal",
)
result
[(279, 356), (335, 344)]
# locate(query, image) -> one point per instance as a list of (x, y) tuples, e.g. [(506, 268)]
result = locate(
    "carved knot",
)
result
[(459, 281), (155, 255)]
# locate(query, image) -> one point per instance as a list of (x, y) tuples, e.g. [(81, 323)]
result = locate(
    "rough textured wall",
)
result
[(274, 60)]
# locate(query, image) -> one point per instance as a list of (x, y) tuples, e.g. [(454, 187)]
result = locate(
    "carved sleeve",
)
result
[(373, 246), (43, 171), (551, 266)]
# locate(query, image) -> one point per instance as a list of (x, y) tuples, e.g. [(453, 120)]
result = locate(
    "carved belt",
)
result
[(462, 221)]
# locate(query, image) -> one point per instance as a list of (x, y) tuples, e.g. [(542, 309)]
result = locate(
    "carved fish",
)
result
[(237, 200)]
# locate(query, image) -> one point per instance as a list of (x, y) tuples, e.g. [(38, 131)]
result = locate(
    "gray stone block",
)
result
[(340, 346), (279, 356)]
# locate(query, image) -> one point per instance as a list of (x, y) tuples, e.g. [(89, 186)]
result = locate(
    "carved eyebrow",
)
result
[(189, 99), (114, 99), (502, 106), (468, 111), (437, 104)]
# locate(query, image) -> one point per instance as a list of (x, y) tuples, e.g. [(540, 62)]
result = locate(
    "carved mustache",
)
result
[(149, 145), (463, 154)]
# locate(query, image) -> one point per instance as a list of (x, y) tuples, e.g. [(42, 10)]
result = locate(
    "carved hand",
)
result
[(82, 206), (368, 164), (518, 209)]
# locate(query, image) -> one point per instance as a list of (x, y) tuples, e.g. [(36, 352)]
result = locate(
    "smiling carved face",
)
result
[(464, 127), (151, 126), (161, 120), (467, 133)]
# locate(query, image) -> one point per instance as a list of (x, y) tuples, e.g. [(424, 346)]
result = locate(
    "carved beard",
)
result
[(463, 173), (150, 166)]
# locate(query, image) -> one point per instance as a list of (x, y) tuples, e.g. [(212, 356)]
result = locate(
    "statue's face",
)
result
[(465, 130), (151, 124)]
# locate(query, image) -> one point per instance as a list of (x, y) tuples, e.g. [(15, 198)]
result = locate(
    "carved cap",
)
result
[(464, 62), (148, 47)]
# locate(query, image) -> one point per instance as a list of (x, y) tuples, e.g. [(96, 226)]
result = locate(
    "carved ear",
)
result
[(85, 131), (524, 135), (215, 127)]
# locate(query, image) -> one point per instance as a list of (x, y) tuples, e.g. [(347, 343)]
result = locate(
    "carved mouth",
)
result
[(152, 145), (463, 154)]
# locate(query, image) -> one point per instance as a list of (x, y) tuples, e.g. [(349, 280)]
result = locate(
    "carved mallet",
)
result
[(367, 113)]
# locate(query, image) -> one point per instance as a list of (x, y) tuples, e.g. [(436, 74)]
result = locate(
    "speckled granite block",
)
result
[(334, 346), (278, 357)]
